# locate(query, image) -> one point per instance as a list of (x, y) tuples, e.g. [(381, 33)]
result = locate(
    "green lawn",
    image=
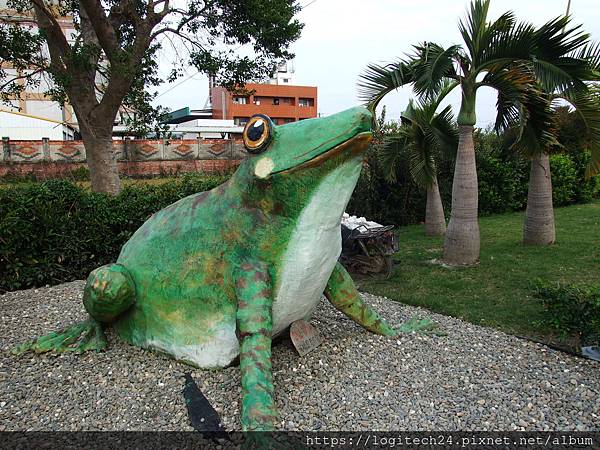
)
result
[(497, 293)]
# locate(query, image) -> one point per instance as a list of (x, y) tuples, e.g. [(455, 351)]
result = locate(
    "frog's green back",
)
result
[(181, 264)]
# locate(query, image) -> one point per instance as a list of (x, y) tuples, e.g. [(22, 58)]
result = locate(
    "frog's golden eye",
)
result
[(257, 133)]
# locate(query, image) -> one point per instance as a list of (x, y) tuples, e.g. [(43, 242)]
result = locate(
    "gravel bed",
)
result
[(472, 379)]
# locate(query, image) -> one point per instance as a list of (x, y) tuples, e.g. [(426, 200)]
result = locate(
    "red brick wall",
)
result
[(49, 169), (52, 159)]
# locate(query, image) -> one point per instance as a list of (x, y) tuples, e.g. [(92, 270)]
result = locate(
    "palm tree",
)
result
[(497, 55), (580, 65), (423, 137)]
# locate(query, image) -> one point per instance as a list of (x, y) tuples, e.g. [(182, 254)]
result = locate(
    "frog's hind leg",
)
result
[(344, 296), (109, 291), (254, 327)]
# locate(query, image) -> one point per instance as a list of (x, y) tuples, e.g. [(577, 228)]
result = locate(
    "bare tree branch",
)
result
[(57, 42), (103, 28), (23, 76)]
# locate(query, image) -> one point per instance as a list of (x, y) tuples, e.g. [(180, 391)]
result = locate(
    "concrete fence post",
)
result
[(231, 149), (46, 148), (163, 148), (5, 148)]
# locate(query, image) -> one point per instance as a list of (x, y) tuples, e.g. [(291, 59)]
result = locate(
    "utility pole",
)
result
[(567, 13)]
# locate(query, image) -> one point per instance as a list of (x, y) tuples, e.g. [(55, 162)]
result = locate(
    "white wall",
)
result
[(45, 109), (18, 127)]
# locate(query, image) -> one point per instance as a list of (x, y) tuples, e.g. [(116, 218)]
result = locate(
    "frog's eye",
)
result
[(257, 133)]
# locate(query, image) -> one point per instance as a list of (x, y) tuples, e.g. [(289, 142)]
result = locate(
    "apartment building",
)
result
[(33, 100), (283, 103)]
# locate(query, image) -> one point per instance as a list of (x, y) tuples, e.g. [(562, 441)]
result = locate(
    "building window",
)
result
[(287, 120), (241, 121), (276, 101), (287, 101), (240, 100), (306, 102), (286, 80)]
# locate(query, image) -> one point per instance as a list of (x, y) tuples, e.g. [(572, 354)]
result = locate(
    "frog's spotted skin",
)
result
[(215, 275)]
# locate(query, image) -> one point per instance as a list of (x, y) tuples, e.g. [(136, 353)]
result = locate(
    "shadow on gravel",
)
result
[(203, 416)]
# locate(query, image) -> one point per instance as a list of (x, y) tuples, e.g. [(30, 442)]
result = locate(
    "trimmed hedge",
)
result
[(56, 231)]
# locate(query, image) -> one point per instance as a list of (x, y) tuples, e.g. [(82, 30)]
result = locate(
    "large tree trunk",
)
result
[(101, 161), (461, 245), (435, 222), (539, 216)]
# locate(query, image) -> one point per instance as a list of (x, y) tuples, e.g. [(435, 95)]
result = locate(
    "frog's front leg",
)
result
[(254, 327), (342, 294)]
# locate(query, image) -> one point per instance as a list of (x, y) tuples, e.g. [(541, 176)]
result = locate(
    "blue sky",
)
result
[(341, 37)]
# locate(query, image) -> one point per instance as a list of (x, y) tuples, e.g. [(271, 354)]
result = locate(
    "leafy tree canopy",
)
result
[(111, 58)]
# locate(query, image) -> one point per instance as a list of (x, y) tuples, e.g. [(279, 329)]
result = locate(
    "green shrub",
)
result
[(572, 309), (564, 179), (55, 231), (502, 183), (585, 190), (82, 173)]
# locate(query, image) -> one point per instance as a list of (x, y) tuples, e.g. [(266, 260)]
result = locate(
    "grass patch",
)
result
[(498, 292)]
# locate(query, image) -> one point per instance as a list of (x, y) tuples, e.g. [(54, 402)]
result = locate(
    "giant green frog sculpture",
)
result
[(218, 274)]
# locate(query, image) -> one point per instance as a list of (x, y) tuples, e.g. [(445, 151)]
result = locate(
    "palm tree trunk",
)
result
[(539, 216), (435, 222), (461, 245)]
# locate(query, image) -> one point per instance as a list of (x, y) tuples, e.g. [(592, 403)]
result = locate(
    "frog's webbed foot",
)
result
[(426, 326), (78, 338), (342, 294)]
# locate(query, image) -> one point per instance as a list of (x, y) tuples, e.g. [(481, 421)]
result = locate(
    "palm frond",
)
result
[(562, 74), (444, 127), (431, 65), (556, 56), (511, 81), (506, 45), (587, 106), (421, 160), (407, 116), (379, 80), (473, 27), (591, 53), (536, 127), (447, 86), (426, 136), (390, 150), (554, 39)]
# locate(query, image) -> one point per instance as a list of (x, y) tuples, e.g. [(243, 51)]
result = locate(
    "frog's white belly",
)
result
[(313, 248)]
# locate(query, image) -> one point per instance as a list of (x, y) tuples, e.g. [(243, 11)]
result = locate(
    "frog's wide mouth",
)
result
[(355, 145)]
